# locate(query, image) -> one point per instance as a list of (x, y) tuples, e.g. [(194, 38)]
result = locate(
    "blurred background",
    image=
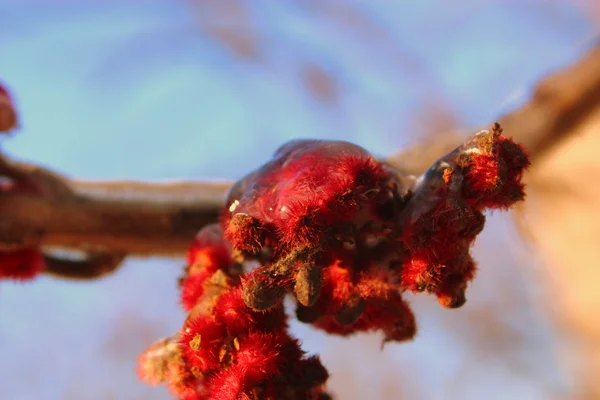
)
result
[(163, 89)]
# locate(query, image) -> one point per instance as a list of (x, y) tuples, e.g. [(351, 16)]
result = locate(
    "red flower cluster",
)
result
[(347, 235), (21, 264), (8, 114), (226, 350), (445, 214), (208, 254)]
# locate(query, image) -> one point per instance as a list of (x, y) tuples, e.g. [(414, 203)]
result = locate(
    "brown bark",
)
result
[(120, 217), (561, 218)]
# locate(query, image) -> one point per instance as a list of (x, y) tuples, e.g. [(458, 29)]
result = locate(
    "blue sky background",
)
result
[(148, 90)]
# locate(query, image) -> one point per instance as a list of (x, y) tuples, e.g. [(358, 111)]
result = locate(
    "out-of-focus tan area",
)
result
[(561, 220)]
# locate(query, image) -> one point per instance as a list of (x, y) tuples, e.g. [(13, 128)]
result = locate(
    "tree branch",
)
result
[(95, 265), (120, 217)]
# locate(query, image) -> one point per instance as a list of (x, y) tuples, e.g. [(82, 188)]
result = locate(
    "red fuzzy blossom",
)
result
[(22, 264), (225, 350), (439, 243), (231, 311), (347, 236), (312, 195), (310, 189), (208, 253), (493, 173), (162, 363), (360, 299), (266, 285), (443, 218), (326, 197), (320, 199), (246, 233), (241, 353), (261, 369), (8, 114)]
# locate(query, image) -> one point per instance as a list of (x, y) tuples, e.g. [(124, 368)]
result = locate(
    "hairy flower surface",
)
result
[(20, 265), (444, 215), (322, 201), (208, 254), (347, 236), (314, 196), (226, 350)]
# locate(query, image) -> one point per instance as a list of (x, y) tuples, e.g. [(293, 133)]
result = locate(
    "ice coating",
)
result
[(318, 202), (299, 168), (321, 184)]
